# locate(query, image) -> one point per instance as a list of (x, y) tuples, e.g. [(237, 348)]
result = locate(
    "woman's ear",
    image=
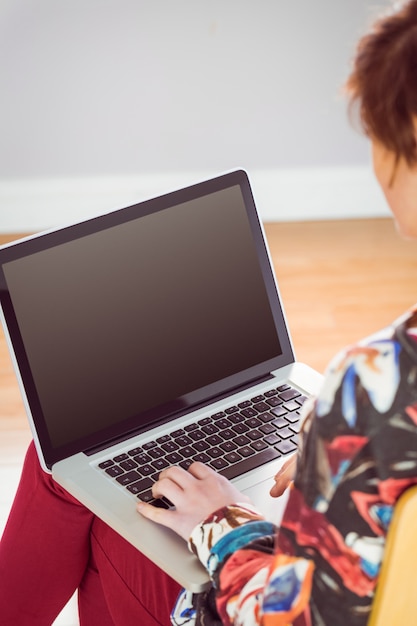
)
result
[(385, 164)]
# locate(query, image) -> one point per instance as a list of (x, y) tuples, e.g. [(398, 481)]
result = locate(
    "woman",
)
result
[(359, 440), (359, 453)]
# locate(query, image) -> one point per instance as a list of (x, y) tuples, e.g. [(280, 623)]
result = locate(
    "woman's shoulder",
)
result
[(373, 365)]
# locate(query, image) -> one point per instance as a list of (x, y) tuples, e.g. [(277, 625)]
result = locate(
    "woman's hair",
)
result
[(383, 81)]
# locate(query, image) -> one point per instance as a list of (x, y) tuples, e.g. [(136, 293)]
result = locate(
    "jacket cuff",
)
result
[(208, 539)]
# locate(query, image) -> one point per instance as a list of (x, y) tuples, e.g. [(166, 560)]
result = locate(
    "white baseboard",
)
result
[(281, 195)]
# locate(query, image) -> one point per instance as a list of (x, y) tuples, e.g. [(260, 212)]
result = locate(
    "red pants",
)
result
[(52, 545)]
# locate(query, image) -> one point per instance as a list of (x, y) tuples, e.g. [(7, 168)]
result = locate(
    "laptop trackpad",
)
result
[(272, 508)]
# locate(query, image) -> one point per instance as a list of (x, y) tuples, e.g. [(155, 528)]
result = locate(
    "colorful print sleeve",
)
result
[(239, 536), (359, 455)]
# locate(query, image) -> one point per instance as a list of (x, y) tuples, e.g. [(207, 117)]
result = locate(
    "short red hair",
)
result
[(383, 81)]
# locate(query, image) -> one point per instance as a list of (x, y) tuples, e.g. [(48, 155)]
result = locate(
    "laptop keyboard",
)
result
[(233, 441)]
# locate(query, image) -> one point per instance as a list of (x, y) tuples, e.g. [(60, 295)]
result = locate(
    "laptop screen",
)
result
[(139, 315)]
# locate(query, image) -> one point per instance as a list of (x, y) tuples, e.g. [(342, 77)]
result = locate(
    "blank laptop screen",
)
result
[(131, 322)]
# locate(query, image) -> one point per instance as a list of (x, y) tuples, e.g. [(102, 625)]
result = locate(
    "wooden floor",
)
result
[(339, 281)]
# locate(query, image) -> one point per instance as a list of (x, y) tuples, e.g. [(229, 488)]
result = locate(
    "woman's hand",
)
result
[(195, 493), (284, 477)]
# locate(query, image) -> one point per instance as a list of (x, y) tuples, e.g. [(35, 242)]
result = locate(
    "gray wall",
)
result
[(92, 87)]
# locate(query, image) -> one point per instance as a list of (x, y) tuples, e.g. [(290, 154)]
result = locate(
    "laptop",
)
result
[(152, 335)]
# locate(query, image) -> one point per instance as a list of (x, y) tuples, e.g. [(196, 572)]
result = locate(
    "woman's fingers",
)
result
[(195, 493), (175, 474), (182, 479), (201, 471), (165, 487), (174, 482), (284, 477), (156, 514)]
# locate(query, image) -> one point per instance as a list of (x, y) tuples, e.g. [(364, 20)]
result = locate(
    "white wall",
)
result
[(104, 102)]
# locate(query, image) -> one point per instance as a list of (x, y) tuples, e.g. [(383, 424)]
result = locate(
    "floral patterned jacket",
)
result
[(358, 454)]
